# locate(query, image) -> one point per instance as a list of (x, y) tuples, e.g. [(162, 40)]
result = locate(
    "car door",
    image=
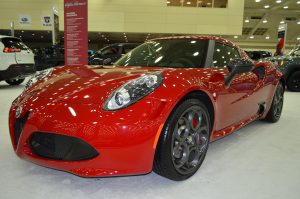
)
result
[(235, 102)]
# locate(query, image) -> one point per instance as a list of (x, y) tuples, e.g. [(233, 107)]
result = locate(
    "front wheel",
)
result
[(293, 82), (184, 141), (15, 81), (277, 104)]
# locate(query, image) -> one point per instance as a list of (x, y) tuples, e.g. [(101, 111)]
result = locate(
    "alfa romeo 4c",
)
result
[(157, 108)]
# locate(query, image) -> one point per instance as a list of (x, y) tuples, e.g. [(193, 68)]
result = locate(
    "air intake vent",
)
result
[(256, 17), (246, 31), (290, 18), (260, 31)]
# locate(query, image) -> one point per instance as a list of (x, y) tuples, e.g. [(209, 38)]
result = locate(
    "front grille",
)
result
[(18, 127), (60, 147)]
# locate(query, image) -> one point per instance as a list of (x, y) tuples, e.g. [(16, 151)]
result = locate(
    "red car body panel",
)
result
[(70, 102)]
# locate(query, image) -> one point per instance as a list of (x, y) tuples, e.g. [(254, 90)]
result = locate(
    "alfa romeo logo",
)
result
[(18, 111)]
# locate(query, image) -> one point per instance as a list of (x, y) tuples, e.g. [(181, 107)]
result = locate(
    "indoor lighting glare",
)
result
[(298, 22), (267, 37), (285, 7), (247, 20), (278, 1), (251, 37), (298, 38), (282, 21), (235, 37), (257, 1), (168, 2), (298, 2), (188, 2), (265, 21), (267, 6)]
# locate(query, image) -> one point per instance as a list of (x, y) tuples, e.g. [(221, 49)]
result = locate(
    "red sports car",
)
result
[(156, 109)]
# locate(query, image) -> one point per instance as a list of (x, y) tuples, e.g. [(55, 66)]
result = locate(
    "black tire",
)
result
[(277, 104), (293, 82), (15, 81), (183, 142)]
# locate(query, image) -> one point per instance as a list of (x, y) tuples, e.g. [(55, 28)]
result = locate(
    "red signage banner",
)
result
[(76, 32)]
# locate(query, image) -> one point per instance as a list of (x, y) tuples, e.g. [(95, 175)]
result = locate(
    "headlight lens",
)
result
[(38, 76), (133, 91)]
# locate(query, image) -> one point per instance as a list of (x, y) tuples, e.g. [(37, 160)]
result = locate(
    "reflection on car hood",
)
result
[(86, 84)]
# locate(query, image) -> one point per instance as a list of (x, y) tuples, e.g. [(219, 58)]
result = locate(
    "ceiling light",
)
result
[(236, 37), (267, 37), (168, 2), (188, 2), (267, 6), (298, 2), (22, 31), (278, 1), (285, 7), (298, 38), (265, 21), (282, 21), (298, 22), (32, 34), (251, 37), (247, 20), (257, 1)]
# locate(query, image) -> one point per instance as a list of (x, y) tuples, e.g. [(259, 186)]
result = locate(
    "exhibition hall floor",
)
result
[(259, 161)]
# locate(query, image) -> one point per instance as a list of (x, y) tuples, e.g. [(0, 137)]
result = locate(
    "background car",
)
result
[(112, 52), (156, 109), (290, 67), (258, 54), (47, 57), (16, 60)]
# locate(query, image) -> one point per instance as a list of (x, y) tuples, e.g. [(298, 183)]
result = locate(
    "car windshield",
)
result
[(295, 51), (176, 53)]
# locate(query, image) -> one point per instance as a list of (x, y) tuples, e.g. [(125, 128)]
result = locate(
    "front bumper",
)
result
[(17, 71), (124, 140)]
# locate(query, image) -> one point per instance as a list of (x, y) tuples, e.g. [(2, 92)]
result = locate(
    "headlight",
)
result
[(133, 91), (38, 76)]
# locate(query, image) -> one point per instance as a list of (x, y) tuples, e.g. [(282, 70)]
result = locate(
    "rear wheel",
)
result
[(277, 104), (15, 81), (293, 82), (184, 141)]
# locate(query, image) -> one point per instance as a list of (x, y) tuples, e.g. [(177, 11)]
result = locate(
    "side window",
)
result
[(110, 51), (223, 54), (260, 72)]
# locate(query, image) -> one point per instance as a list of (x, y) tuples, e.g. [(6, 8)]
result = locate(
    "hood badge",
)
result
[(18, 111)]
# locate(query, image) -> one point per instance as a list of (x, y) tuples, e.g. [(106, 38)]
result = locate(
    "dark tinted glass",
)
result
[(176, 53), (223, 54), (14, 43)]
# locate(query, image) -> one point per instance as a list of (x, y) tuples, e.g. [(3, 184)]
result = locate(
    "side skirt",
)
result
[(228, 130)]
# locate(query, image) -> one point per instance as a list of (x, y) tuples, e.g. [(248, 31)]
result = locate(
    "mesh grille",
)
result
[(61, 147)]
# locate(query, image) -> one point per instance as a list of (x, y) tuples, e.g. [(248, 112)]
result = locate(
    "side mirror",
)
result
[(107, 61), (238, 66)]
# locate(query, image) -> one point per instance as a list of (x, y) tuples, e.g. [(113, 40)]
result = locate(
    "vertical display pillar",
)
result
[(76, 32), (280, 47)]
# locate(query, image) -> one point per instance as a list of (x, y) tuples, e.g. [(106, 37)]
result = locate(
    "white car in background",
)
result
[(16, 60)]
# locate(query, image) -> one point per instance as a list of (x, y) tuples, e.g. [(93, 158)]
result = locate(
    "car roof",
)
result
[(215, 38), (7, 36)]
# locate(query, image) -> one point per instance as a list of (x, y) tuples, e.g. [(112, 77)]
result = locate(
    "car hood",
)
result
[(86, 84)]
